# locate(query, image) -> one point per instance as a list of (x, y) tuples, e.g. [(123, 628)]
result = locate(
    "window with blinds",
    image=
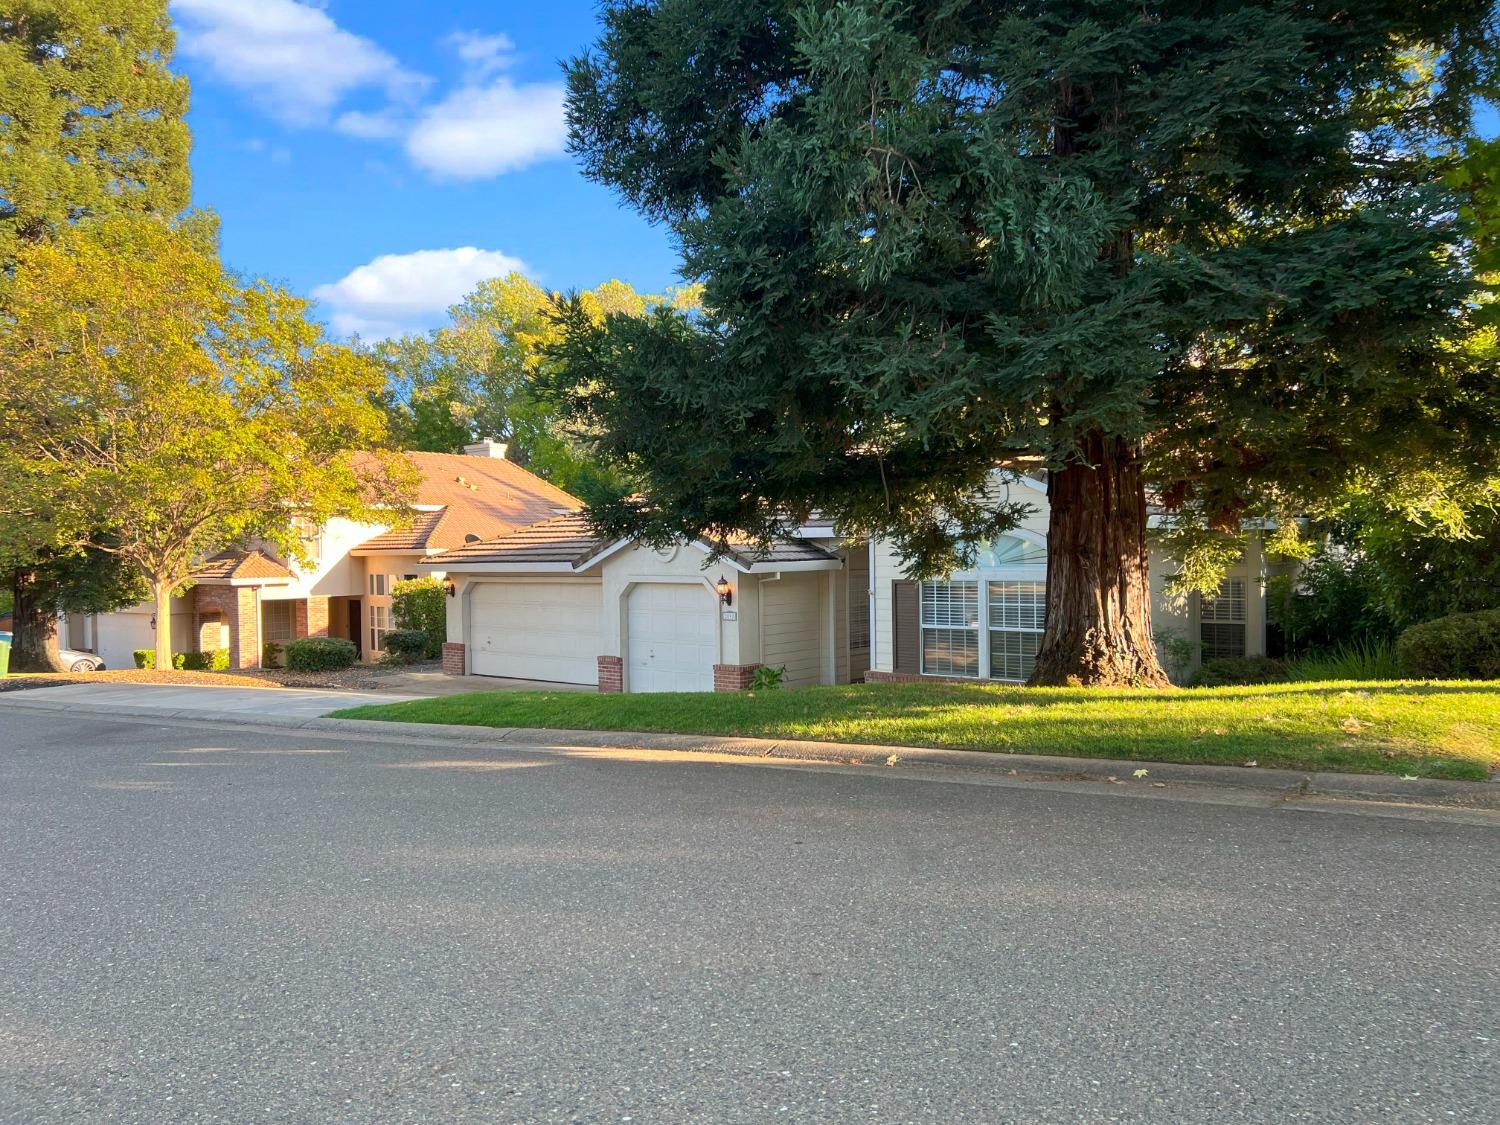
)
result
[(1221, 621), (1018, 611), (950, 628), (278, 621)]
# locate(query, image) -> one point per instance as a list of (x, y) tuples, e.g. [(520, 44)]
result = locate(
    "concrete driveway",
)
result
[(207, 701), (223, 924)]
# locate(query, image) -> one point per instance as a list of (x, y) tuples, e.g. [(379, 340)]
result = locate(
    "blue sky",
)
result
[(386, 156)]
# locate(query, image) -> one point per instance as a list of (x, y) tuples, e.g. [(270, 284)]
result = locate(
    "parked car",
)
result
[(76, 661)]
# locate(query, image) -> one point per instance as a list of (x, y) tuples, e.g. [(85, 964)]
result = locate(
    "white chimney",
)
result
[(489, 447)]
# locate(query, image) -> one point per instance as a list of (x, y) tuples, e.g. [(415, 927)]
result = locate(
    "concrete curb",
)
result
[(1471, 794)]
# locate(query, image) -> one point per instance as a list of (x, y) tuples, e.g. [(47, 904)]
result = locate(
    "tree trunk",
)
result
[(163, 594), (1098, 630), (34, 646)]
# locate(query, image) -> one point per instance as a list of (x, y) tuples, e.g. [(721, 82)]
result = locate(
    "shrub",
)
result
[(270, 655), (1461, 646), (216, 660), (1235, 671), (767, 678), (1363, 660), (145, 658), (1333, 600), (406, 646), (320, 654), (422, 604)]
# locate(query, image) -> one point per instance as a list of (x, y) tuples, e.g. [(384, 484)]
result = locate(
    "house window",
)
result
[(380, 625), (950, 628), (277, 619), (380, 585), (1018, 611), (1221, 621)]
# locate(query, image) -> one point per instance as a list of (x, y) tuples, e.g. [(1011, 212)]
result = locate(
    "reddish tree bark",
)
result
[(1098, 630)]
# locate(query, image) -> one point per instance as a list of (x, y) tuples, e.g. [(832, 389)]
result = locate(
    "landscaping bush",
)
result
[(406, 646), (421, 604), (767, 678), (320, 654), (1333, 600), (216, 660), (1236, 671), (270, 655), (1463, 646)]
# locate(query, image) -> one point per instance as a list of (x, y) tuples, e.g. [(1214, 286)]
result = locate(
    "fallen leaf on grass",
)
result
[(1251, 764)]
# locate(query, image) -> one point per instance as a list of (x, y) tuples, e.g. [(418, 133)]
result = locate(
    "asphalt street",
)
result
[(201, 924)]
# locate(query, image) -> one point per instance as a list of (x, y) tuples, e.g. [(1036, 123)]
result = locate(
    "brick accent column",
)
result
[(316, 610), (299, 619), (237, 609), (611, 674), (733, 677), (453, 659)]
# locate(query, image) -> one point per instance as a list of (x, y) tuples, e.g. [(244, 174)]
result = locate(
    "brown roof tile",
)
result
[(242, 566), (562, 539), (484, 496)]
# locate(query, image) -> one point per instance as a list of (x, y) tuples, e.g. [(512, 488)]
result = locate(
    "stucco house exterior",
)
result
[(554, 602), (243, 600)]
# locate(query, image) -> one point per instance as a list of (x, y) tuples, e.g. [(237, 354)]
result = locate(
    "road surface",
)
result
[(202, 924)]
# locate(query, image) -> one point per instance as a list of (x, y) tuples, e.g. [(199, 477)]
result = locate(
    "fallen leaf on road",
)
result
[(1251, 764), (893, 759), (1140, 773)]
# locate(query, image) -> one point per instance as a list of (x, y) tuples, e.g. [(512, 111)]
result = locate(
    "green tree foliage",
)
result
[(91, 124), (1199, 247), (149, 392), (421, 605), (92, 121), (477, 376)]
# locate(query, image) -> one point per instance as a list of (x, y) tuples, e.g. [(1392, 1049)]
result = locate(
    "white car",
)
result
[(76, 661)]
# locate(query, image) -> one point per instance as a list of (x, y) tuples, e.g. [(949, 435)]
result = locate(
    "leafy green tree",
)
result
[(92, 124), (1195, 247), (151, 393), (478, 375)]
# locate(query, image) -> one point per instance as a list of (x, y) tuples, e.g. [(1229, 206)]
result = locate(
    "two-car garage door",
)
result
[(536, 631)]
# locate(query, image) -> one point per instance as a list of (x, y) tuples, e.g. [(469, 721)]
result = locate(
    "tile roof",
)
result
[(242, 566), (483, 496), (569, 539), (562, 539)]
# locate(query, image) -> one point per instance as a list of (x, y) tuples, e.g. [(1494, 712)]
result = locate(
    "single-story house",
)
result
[(555, 602), (247, 599)]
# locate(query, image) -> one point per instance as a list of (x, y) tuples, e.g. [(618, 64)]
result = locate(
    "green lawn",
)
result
[(1427, 729)]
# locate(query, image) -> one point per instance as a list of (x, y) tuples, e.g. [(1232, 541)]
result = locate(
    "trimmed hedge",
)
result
[(1237, 671), (406, 646), (320, 654), (216, 660), (421, 604), (1463, 646), (270, 654)]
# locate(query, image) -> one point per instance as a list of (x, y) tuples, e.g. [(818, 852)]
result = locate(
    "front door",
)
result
[(357, 625)]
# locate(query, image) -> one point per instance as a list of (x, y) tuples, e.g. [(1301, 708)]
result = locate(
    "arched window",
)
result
[(1012, 550)]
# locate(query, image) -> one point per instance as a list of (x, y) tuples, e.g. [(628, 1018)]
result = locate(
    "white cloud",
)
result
[(483, 55), (478, 132), (399, 293), (290, 56), (379, 126)]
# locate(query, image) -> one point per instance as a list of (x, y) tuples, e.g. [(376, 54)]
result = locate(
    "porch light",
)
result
[(724, 590), (450, 587)]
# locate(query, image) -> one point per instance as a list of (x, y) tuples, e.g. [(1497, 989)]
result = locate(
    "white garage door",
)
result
[(536, 631), (674, 637)]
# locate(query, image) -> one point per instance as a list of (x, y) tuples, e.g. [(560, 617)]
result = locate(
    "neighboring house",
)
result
[(555, 602), (243, 600)]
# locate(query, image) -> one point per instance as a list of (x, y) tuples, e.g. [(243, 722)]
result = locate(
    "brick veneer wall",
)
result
[(454, 663), (733, 677), (317, 617), (611, 674), (236, 607)]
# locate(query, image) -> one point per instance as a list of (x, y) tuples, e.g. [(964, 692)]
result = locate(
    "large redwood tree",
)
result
[(1197, 250)]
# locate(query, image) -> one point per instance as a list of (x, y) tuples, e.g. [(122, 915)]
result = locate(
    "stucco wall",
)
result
[(792, 623)]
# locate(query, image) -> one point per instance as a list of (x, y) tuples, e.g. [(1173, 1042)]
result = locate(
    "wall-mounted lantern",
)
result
[(450, 586), (724, 590)]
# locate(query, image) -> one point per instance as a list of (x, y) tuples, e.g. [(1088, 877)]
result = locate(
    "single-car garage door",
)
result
[(536, 631), (674, 637)]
